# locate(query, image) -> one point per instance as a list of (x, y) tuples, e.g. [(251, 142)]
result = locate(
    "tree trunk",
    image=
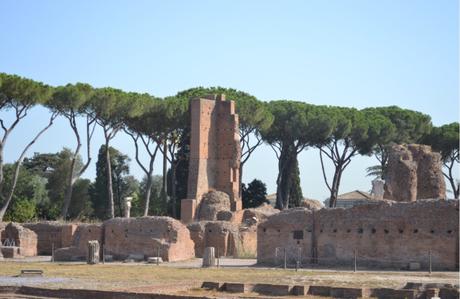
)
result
[(148, 194), (70, 182), (241, 180), (285, 163), (164, 187), (111, 209), (173, 188), (334, 189), (18, 166)]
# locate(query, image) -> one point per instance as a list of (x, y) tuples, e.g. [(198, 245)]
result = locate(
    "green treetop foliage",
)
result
[(407, 126), (22, 93), (255, 194), (296, 125), (72, 98), (98, 191), (112, 106), (349, 136), (30, 199)]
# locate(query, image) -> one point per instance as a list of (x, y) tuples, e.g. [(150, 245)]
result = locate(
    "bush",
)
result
[(22, 210)]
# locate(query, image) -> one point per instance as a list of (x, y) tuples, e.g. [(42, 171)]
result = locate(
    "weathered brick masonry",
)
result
[(388, 234), (214, 153)]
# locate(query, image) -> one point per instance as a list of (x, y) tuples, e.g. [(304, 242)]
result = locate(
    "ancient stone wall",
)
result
[(51, 233), (214, 153), (23, 238), (145, 236), (79, 248), (384, 235), (228, 238), (414, 172)]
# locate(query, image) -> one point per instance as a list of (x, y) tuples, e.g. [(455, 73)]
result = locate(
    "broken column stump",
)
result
[(93, 252), (209, 257)]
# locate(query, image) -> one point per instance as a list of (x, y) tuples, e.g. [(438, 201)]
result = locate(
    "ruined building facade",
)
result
[(214, 153), (384, 235)]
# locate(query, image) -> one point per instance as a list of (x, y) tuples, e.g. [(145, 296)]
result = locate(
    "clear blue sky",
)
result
[(349, 53)]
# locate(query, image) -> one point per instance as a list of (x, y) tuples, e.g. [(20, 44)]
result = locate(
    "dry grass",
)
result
[(144, 277)]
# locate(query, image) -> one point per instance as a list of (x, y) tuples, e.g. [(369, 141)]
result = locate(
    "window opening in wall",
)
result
[(360, 230), (386, 231), (401, 231), (265, 230), (415, 231), (449, 231), (298, 234), (373, 230), (348, 230), (432, 231), (334, 230)]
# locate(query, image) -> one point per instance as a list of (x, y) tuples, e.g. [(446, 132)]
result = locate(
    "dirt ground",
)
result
[(186, 277)]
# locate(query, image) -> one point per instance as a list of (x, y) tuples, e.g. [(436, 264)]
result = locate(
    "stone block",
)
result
[(449, 293), (319, 291), (385, 293), (154, 260), (233, 287), (211, 285), (209, 257), (350, 293), (299, 290), (136, 257), (272, 289), (11, 252), (92, 257)]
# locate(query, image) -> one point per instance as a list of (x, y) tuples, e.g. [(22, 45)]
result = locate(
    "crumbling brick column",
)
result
[(214, 153)]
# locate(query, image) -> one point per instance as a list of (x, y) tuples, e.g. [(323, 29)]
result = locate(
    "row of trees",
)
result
[(161, 126)]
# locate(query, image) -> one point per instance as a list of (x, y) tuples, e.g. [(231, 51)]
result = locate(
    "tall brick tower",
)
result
[(214, 153)]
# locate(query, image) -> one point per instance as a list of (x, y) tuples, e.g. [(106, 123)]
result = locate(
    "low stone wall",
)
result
[(228, 238), (385, 235), (79, 248), (145, 235), (52, 232)]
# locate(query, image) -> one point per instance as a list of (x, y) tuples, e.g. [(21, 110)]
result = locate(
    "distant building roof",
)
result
[(307, 202), (355, 195)]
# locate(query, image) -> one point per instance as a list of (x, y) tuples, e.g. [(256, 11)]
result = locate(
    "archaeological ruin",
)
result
[(214, 154), (384, 235), (407, 226), (414, 172)]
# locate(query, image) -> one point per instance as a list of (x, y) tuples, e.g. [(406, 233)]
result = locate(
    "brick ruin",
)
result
[(148, 236), (214, 153), (414, 172), (18, 241), (384, 235)]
